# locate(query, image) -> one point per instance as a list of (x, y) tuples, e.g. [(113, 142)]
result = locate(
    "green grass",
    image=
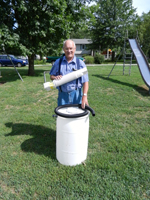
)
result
[(40, 62), (118, 162)]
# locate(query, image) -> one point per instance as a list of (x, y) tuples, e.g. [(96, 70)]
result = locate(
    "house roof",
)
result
[(82, 41)]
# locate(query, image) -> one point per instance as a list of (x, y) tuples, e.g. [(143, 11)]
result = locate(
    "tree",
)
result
[(111, 20), (39, 25), (144, 33), (83, 31)]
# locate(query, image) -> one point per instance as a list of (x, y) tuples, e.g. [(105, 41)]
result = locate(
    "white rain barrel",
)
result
[(72, 132)]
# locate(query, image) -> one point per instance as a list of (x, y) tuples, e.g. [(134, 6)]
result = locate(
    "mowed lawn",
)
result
[(118, 162)]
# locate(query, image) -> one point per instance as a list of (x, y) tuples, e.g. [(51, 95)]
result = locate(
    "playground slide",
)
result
[(141, 61)]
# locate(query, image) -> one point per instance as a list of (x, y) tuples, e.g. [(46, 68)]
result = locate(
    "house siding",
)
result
[(81, 46)]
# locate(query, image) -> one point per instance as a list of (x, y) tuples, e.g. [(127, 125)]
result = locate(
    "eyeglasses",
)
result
[(67, 49)]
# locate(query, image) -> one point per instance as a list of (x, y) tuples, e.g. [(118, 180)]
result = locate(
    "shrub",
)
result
[(84, 55), (98, 58), (40, 62), (89, 60)]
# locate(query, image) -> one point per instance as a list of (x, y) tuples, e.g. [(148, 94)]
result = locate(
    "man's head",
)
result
[(69, 48)]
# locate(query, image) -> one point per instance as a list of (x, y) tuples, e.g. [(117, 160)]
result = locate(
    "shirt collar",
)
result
[(73, 60)]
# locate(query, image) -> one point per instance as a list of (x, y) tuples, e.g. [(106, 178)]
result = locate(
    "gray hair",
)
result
[(68, 40)]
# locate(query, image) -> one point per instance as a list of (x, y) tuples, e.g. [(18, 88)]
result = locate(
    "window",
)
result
[(3, 57), (82, 46)]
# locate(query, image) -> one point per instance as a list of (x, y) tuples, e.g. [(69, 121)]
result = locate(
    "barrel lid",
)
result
[(71, 111)]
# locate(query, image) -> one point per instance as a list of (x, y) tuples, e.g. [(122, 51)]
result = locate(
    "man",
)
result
[(70, 93)]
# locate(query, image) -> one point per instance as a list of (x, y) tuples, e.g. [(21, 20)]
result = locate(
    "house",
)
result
[(107, 54), (81, 47)]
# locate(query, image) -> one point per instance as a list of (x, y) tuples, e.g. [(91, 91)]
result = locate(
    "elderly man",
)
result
[(71, 92)]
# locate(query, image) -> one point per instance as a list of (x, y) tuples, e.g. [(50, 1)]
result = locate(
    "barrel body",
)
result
[(72, 140)]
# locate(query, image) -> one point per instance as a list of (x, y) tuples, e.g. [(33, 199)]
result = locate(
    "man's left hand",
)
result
[(84, 102)]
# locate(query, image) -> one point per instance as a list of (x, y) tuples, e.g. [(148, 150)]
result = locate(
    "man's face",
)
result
[(69, 50)]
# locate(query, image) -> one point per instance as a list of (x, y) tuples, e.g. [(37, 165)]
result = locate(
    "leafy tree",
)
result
[(38, 26), (111, 20), (83, 31), (145, 33), (140, 30)]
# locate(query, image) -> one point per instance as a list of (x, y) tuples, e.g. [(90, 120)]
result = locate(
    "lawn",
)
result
[(118, 162)]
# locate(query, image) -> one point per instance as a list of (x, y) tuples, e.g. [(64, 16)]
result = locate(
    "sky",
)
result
[(142, 6)]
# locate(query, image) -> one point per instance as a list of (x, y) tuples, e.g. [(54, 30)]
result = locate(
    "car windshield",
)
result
[(12, 56)]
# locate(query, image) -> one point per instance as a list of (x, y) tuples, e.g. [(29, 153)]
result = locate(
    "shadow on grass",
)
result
[(142, 90), (43, 139)]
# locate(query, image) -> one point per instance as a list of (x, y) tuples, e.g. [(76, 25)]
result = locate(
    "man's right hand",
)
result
[(58, 77), (52, 77)]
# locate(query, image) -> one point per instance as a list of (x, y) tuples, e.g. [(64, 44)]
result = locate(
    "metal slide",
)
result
[(141, 61)]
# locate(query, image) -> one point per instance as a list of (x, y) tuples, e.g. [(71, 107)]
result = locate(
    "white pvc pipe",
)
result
[(65, 79)]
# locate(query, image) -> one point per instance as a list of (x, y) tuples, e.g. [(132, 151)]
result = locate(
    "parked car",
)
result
[(5, 60), (23, 58)]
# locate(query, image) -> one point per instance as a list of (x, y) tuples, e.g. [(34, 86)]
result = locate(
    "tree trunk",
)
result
[(31, 65), (41, 56), (113, 55)]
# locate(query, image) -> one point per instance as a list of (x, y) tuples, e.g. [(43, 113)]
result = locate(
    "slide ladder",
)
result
[(127, 59), (142, 62), (127, 55), (127, 62)]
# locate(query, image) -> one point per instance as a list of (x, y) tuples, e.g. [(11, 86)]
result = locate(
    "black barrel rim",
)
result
[(73, 115)]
